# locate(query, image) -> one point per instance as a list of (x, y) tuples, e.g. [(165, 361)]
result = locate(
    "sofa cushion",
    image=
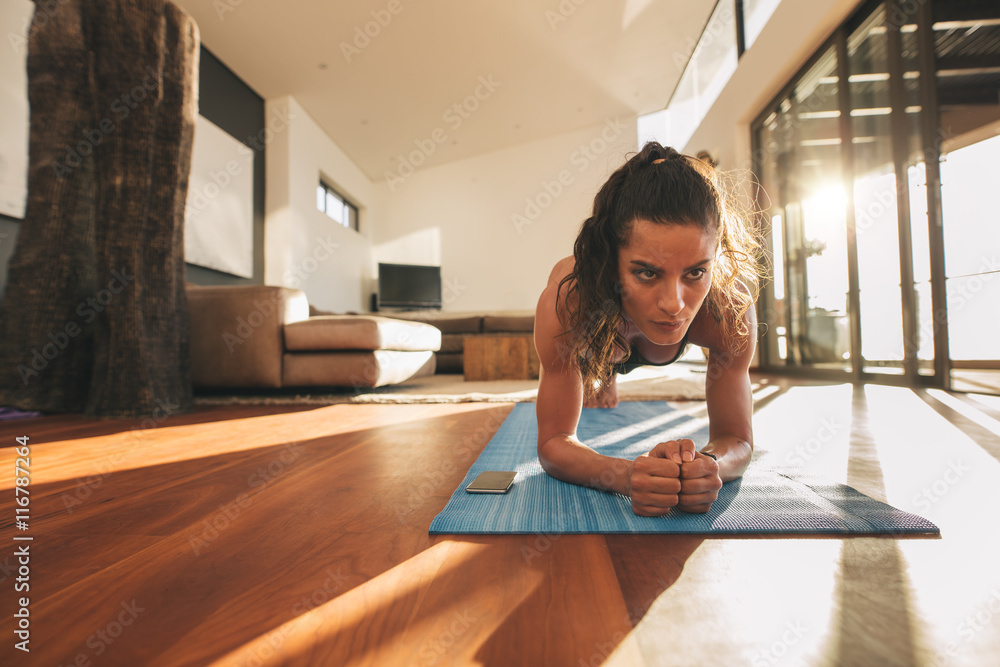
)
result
[(359, 332), (509, 323), (449, 323), (373, 368)]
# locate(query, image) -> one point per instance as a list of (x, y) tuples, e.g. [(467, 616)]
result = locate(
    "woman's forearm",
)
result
[(567, 459)]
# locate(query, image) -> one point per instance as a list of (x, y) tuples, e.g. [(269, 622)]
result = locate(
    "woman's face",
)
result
[(665, 272)]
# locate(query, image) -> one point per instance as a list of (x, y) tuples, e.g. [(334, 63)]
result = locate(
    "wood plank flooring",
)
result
[(292, 536)]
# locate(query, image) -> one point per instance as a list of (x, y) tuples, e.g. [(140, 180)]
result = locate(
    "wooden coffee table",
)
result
[(499, 357)]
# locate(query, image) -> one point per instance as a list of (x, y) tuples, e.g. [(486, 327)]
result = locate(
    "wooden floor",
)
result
[(274, 536)]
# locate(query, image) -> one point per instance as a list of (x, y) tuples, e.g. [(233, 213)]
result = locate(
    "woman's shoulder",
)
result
[(708, 332), (551, 316), (552, 298), (563, 268)]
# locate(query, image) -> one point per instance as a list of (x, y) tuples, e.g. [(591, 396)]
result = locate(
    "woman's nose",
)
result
[(671, 299)]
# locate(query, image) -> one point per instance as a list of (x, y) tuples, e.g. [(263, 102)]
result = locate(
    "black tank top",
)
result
[(635, 359)]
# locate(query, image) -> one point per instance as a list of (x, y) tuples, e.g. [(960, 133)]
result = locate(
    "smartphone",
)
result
[(492, 481)]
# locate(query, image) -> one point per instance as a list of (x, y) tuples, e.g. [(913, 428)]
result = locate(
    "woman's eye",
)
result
[(645, 274), (697, 274)]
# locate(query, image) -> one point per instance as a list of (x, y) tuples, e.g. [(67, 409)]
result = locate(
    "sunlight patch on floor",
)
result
[(806, 430), (966, 410), (62, 460), (758, 622), (403, 599)]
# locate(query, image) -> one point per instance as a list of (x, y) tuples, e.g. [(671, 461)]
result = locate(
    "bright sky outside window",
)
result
[(337, 208)]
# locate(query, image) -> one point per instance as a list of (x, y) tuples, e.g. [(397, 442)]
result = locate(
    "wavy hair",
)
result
[(662, 186)]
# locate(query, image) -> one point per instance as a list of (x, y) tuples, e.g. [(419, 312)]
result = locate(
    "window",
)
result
[(755, 16), (732, 28), (337, 208), (709, 69)]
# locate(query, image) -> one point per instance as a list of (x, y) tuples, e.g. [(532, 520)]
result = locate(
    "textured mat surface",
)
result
[(763, 501)]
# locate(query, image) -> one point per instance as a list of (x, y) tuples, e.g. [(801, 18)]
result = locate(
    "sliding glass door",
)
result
[(800, 158), (877, 167)]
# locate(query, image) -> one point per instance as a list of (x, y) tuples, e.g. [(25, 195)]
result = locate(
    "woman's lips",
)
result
[(669, 326)]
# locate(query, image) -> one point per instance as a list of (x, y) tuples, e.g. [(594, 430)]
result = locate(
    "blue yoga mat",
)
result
[(763, 501)]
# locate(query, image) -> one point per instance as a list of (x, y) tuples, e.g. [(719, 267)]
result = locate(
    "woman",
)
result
[(662, 262)]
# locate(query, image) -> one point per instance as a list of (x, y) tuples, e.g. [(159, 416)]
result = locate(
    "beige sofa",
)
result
[(262, 336)]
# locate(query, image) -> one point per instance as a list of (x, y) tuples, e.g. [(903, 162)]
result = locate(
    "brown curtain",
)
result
[(95, 315)]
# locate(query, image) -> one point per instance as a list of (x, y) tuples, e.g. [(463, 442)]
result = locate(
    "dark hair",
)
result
[(662, 186)]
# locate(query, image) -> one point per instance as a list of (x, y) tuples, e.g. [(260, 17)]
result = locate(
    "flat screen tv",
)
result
[(409, 286)]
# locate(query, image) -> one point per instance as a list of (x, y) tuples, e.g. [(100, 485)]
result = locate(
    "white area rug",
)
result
[(671, 383)]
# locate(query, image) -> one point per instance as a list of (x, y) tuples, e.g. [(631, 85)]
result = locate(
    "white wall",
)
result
[(497, 223), (303, 247)]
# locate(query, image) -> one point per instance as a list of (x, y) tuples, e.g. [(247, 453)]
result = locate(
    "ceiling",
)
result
[(383, 77)]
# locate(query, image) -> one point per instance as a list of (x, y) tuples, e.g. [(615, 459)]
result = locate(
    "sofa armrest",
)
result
[(237, 333)]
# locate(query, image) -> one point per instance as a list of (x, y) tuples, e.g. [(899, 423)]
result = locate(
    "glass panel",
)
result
[(352, 217), (755, 16), (916, 173), (971, 208), (925, 328), (920, 234), (972, 316), (967, 49), (682, 115), (709, 69), (653, 127), (771, 309), (320, 198), (334, 207), (779, 317), (971, 211), (875, 208), (799, 152)]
